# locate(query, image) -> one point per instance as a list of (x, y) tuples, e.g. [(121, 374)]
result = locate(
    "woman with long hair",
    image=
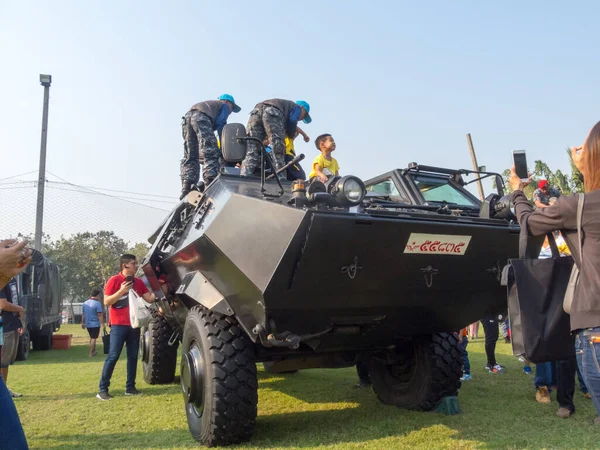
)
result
[(562, 215)]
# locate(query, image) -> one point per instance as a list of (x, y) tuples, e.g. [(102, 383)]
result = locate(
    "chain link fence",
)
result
[(71, 209)]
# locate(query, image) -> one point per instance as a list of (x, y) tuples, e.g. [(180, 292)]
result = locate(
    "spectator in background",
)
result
[(474, 330), (545, 195), (364, 379), (585, 309), (12, 328), (463, 340), (545, 378), (582, 387), (14, 257), (505, 330), (92, 318), (556, 373), (490, 328)]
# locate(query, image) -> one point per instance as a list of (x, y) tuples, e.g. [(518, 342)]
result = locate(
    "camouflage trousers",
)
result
[(265, 122), (199, 147)]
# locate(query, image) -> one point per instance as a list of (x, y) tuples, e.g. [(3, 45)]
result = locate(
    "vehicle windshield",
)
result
[(385, 187), (438, 189)]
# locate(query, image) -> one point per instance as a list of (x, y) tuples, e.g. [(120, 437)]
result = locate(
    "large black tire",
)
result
[(159, 359), (24, 346), (218, 379), (425, 371)]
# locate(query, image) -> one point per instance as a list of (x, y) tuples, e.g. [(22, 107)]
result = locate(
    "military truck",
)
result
[(39, 293), (320, 275)]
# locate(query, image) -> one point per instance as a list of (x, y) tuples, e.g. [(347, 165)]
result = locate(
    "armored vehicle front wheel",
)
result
[(218, 379), (420, 374), (159, 359)]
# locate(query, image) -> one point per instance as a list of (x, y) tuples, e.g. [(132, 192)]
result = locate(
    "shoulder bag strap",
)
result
[(523, 237), (580, 201), (524, 241)]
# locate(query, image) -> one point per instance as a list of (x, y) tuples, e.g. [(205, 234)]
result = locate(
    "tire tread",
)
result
[(235, 393)]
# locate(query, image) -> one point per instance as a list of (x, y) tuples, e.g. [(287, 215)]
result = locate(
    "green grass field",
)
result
[(313, 408)]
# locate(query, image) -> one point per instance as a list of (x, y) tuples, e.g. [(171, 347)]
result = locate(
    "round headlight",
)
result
[(353, 190), (349, 191)]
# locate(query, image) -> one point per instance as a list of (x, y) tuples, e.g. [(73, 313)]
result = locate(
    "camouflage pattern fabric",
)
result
[(190, 164), (200, 147), (265, 121)]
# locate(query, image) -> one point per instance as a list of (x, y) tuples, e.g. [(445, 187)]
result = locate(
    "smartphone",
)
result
[(129, 279), (520, 163)]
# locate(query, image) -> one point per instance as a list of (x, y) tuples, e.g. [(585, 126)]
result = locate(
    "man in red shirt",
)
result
[(116, 295)]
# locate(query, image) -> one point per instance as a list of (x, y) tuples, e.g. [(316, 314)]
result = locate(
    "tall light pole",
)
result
[(45, 80)]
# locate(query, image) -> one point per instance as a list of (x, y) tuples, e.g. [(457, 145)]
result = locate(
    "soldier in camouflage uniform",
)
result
[(273, 119), (199, 142)]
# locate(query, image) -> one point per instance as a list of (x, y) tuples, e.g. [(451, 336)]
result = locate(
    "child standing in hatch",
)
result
[(324, 165)]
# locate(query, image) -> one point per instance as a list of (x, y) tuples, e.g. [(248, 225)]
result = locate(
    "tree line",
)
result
[(87, 260), (567, 184)]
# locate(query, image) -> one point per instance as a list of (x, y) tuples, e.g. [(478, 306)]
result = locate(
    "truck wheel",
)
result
[(24, 345), (159, 359), (218, 379), (423, 372)]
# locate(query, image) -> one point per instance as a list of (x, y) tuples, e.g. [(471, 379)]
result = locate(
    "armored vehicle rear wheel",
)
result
[(159, 359), (422, 373), (218, 379)]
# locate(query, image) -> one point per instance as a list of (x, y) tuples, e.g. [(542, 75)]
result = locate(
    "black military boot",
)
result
[(185, 189)]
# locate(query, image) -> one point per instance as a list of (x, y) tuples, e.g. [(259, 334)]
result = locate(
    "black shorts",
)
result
[(94, 332)]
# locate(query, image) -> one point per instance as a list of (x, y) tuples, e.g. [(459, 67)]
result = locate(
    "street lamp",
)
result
[(45, 81)]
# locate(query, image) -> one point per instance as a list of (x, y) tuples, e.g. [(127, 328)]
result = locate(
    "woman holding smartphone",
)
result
[(562, 215)]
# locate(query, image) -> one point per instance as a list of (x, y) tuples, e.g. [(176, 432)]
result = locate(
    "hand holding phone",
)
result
[(520, 163), (129, 279)]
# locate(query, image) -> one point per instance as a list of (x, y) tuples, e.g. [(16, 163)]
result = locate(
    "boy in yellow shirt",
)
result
[(324, 164)]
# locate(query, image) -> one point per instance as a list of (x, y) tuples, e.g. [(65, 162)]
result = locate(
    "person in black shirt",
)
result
[(12, 328)]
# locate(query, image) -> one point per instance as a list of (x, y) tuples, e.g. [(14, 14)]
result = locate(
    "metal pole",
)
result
[(45, 80), (475, 166)]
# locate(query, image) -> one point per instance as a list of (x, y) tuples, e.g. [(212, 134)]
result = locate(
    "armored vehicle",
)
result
[(39, 293), (320, 275)]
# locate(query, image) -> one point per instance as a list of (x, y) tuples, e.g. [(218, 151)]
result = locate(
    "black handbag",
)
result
[(540, 328), (105, 341)]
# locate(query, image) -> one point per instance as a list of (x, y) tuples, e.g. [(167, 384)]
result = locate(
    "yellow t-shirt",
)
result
[(332, 165)]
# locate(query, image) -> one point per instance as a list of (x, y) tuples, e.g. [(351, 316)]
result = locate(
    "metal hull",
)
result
[(346, 278)]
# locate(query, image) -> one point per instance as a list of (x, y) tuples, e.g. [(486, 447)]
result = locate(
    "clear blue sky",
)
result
[(393, 82)]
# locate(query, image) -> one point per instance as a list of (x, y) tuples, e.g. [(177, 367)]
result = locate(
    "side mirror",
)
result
[(233, 149), (500, 185)]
